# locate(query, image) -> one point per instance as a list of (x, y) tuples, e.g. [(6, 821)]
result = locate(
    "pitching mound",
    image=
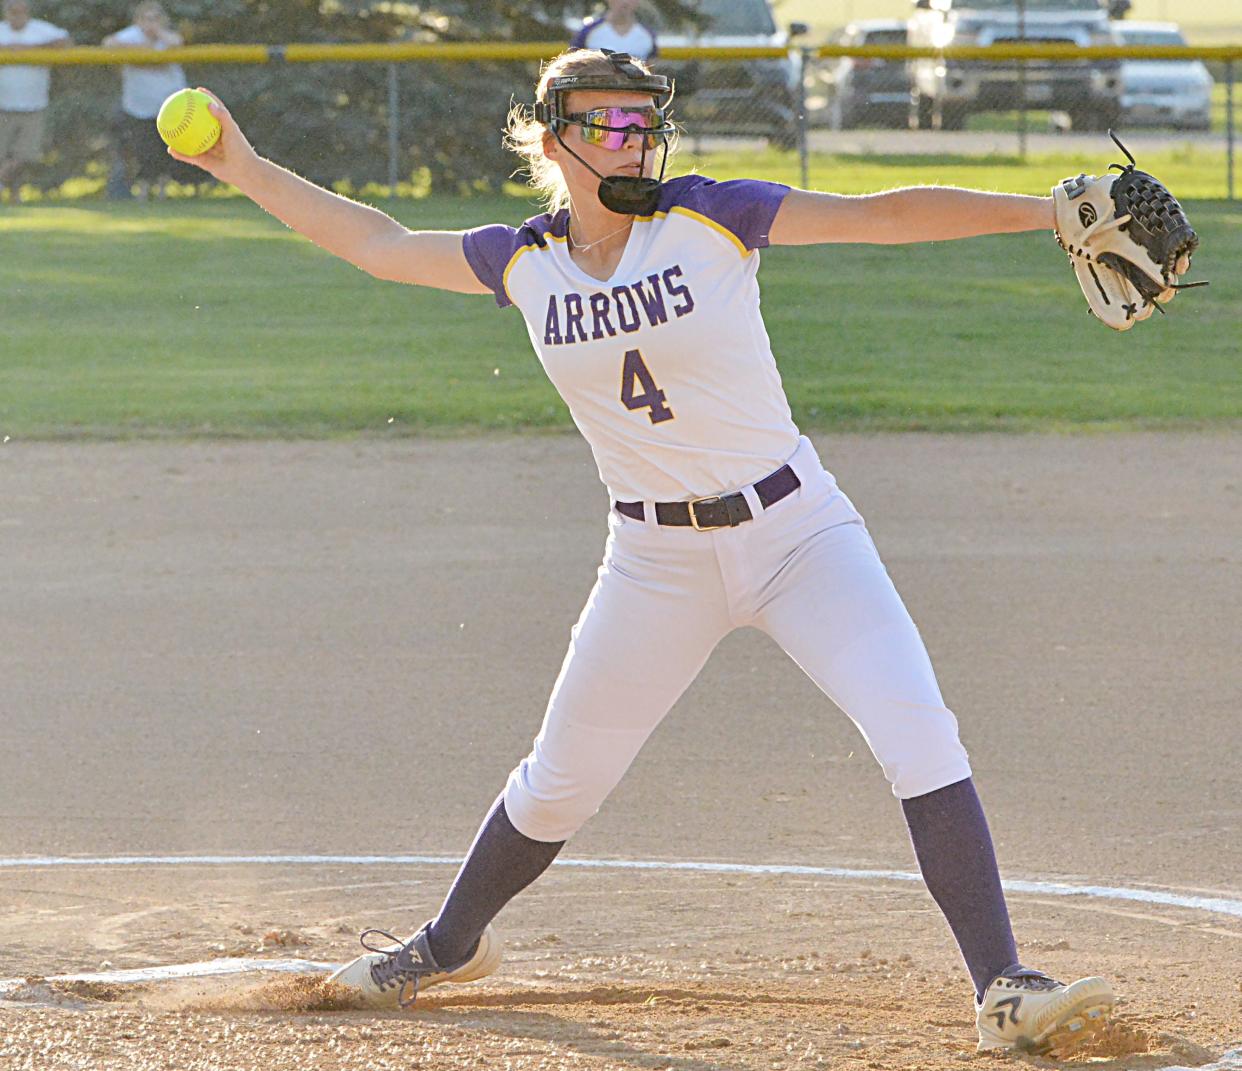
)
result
[(844, 1020)]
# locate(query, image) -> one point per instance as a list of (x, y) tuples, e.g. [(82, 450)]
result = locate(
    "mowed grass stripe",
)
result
[(209, 318)]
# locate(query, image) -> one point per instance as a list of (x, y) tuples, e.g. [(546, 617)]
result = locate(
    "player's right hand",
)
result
[(232, 152)]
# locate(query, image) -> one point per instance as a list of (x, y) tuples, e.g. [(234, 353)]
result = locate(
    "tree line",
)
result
[(330, 121)]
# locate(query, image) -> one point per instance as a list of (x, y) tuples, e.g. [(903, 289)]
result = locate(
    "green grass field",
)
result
[(1194, 172), (206, 317)]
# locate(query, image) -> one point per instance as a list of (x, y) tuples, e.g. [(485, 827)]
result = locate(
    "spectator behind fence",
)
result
[(143, 156), (23, 94), (618, 30)]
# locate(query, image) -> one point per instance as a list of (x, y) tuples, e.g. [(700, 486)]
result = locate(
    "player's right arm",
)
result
[(364, 236)]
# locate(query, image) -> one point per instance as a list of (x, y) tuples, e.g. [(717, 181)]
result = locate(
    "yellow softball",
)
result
[(185, 124)]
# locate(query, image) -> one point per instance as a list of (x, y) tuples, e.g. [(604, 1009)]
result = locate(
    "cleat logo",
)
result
[(415, 956), (998, 1012)]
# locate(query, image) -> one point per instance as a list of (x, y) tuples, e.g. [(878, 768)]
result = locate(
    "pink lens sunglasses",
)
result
[(609, 127)]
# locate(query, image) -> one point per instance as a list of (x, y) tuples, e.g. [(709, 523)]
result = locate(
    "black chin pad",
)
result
[(628, 195)]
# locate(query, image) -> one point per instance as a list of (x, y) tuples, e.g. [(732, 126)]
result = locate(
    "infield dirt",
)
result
[(343, 647)]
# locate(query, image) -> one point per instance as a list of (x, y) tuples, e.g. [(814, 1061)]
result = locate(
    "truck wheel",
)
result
[(921, 112), (1089, 118), (952, 116), (785, 139)]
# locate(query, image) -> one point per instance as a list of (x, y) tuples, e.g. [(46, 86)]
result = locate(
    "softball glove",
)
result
[(1128, 240)]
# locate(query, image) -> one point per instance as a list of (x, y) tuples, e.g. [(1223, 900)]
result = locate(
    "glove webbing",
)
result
[(1158, 222)]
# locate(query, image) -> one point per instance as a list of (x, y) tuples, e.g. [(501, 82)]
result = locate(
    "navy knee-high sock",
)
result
[(954, 849), (500, 864)]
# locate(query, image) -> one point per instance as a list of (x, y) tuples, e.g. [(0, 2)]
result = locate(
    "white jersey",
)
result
[(23, 88), (638, 41), (143, 89), (666, 366)]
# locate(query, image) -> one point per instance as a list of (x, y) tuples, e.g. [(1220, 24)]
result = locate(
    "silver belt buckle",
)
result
[(694, 517)]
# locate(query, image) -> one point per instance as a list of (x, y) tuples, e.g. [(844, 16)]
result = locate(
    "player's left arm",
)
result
[(915, 214)]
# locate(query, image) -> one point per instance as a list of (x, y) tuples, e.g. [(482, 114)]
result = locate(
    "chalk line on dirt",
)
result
[(1216, 904)]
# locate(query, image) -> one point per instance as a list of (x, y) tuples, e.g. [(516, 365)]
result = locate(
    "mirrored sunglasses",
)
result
[(609, 127)]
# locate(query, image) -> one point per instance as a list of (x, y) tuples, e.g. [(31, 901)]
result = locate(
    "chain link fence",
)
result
[(871, 102), (842, 116), (976, 107)]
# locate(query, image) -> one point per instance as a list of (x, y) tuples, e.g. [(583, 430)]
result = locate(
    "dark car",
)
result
[(748, 97), (868, 92)]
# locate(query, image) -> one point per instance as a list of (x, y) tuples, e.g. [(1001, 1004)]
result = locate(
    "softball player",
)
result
[(641, 300)]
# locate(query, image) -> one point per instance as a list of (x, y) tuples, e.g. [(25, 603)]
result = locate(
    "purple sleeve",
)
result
[(488, 252), (579, 39), (744, 207)]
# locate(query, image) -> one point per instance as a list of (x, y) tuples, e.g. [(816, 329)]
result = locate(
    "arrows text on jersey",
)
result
[(574, 317)]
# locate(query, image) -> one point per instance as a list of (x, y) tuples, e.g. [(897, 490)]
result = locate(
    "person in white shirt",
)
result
[(618, 31), (143, 89), (23, 93)]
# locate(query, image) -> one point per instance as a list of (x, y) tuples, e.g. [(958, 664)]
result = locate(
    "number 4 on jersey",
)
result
[(635, 374)]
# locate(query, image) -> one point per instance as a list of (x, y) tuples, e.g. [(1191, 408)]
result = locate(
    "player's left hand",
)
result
[(1128, 239)]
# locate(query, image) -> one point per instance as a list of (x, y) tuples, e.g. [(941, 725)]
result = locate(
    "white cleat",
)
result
[(392, 976), (1027, 1010)]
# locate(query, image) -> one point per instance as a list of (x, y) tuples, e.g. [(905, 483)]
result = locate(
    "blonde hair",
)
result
[(524, 136)]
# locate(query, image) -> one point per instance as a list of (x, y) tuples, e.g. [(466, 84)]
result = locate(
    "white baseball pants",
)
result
[(804, 571)]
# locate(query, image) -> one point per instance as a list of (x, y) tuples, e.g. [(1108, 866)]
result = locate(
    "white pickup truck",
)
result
[(945, 92)]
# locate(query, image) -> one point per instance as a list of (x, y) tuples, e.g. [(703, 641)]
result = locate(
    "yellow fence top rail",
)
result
[(457, 52)]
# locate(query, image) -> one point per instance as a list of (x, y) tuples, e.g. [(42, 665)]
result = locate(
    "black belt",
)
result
[(717, 511)]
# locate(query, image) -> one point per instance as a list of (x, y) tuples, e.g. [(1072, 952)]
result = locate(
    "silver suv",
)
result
[(943, 94)]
